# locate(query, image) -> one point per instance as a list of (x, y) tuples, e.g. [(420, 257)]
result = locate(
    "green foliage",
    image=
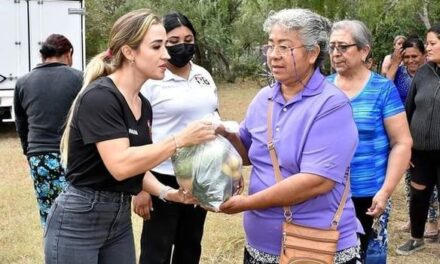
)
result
[(229, 32), (387, 19), (100, 15)]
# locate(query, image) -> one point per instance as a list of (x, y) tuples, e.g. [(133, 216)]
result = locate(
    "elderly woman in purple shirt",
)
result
[(314, 136)]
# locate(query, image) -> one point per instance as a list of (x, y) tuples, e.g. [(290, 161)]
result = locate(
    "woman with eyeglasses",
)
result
[(423, 109), (313, 134), (185, 94), (384, 149)]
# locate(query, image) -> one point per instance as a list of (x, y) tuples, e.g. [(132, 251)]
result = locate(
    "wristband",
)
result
[(163, 192), (176, 145)]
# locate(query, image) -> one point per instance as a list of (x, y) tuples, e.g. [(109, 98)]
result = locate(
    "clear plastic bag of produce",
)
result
[(210, 171)]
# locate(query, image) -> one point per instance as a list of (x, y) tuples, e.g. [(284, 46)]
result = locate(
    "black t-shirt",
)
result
[(101, 113)]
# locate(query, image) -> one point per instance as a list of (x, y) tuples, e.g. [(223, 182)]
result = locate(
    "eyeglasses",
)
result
[(281, 50), (341, 48)]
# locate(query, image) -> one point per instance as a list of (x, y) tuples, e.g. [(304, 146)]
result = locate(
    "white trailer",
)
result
[(25, 25)]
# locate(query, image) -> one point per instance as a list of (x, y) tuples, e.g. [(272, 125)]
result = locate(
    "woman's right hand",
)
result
[(235, 204), (397, 56), (142, 205), (195, 133), (221, 130)]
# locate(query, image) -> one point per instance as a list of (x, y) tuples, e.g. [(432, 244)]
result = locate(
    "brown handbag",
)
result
[(303, 244)]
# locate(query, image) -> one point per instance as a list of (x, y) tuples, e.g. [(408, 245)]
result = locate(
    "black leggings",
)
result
[(361, 205), (171, 224), (426, 172)]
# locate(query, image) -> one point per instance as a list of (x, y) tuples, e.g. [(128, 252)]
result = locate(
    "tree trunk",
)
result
[(230, 76), (424, 14)]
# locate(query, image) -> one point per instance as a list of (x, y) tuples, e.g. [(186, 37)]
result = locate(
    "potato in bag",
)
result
[(211, 171)]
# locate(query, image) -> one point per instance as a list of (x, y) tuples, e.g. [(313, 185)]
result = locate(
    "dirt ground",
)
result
[(21, 234)]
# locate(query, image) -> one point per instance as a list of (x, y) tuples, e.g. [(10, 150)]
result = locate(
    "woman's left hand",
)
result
[(180, 196), (233, 205), (378, 204)]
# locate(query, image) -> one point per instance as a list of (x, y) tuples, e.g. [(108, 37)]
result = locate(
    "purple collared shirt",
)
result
[(313, 132)]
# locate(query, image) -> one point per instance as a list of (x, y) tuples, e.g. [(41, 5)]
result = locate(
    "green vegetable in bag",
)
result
[(210, 171)]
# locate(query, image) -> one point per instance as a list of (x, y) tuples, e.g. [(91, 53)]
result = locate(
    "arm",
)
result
[(287, 192), (151, 185), (142, 203), (239, 146), (400, 142), (385, 65), (396, 60), (100, 120), (410, 105), (124, 161), (234, 139), (324, 161), (21, 120)]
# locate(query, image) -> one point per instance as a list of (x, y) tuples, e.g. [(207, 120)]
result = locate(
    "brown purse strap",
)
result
[(278, 178), (274, 158)]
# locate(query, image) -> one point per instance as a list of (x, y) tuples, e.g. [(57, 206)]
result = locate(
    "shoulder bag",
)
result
[(303, 244)]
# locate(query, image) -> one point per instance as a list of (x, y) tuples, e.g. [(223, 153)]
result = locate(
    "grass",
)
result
[(21, 235)]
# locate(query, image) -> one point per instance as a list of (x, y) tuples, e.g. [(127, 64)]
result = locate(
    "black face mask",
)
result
[(181, 54)]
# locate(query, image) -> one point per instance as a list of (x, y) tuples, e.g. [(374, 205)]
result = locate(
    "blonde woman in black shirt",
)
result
[(107, 146)]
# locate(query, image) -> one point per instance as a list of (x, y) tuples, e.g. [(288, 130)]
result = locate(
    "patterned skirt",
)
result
[(255, 256)]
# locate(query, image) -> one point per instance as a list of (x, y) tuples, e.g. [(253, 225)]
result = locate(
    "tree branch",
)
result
[(424, 16)]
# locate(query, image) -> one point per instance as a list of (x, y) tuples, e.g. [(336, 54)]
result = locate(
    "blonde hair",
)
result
[(396, 38), (129, 30)]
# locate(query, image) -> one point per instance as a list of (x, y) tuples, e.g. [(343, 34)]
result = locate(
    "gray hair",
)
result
[(312, 28), (358, 30)]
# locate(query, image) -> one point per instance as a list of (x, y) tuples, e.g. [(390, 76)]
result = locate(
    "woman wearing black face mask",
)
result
[(186, 93)]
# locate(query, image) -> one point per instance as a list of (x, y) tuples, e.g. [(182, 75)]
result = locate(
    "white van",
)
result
[(25, 25)]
